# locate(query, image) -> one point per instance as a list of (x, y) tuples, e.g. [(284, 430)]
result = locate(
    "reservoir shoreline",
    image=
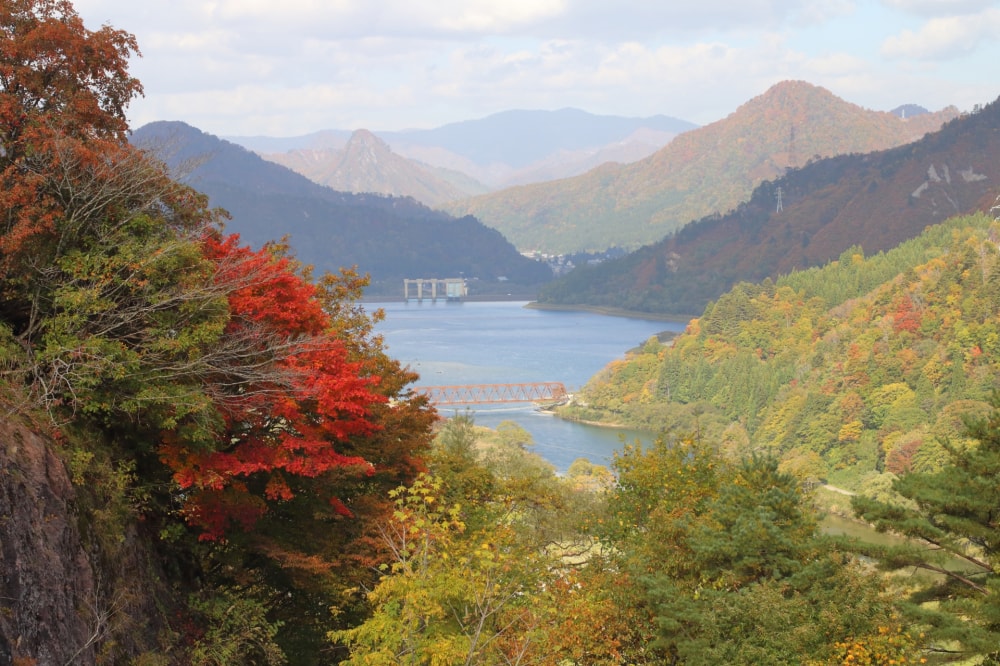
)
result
[(497, 342), (611, 312), (535, 305)]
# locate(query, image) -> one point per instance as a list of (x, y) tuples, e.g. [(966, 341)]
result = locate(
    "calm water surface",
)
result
[(504, 342)]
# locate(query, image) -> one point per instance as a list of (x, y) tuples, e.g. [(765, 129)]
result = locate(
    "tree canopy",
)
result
[(229, 401), (950, 518)]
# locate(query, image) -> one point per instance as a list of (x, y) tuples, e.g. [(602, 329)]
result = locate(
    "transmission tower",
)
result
[(778, 193)]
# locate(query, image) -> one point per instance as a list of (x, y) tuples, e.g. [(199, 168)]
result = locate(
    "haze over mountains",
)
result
[(571, 181), (805, 218), (710, 170), (508, 148), (389, 238), (703, 171), (367, 164)]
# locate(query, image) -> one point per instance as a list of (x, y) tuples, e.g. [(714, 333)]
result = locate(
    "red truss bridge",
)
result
[(482, 394)]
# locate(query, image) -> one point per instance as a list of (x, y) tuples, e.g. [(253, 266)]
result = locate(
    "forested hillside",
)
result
[(702, 172), (846, 372), (878, 374), (875, 200), (388, 238)]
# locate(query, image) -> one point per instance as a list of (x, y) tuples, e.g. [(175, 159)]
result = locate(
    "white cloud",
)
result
[(820, 12), (291, 67), (484, 16), (351, 18), (627, 20), (837, 64), (940, 8), (944, 38), (543, 19)]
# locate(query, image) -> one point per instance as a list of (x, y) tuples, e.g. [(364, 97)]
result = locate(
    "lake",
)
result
[(504, 342)]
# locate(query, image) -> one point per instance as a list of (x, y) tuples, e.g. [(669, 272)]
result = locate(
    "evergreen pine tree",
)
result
[(954, 532)]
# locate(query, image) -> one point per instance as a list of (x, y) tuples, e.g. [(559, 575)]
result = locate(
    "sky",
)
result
[(292, 67)]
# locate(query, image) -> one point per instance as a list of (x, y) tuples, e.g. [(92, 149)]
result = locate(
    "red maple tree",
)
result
[(287, 418)]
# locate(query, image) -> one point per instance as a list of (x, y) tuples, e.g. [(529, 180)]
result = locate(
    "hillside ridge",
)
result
[(389, 238), (875, 200), (706, 170)]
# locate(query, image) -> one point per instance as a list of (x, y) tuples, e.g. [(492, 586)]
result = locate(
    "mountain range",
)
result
[(702, 171), (807, 217), (765, 141), (366, 163), (504, 149), (390, 238)]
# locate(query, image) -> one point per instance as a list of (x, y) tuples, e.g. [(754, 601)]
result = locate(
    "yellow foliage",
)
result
[(890, 646), (851, 431)]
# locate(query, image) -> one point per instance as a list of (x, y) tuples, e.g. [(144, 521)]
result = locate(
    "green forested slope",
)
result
[(851, 368)]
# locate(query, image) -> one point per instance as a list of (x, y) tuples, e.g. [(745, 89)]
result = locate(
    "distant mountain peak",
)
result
[(364, 148), (793, 96), (905, 111), (364, 136), (366, 163), (807, 216), (795, 88), (704, 171)]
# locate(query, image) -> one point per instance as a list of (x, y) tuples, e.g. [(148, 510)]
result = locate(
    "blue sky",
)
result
[(290, 67)]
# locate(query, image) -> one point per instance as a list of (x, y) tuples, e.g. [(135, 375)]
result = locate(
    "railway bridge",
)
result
[(482, 394)]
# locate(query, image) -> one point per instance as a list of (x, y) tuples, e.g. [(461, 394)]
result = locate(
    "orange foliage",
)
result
[(905, 317), (890, 646), (900, 459), (58, 80)]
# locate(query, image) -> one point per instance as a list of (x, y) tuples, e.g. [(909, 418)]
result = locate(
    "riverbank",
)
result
[(611, 312), (593, 424)]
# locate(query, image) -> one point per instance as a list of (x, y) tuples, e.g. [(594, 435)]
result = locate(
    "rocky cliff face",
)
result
[(74, 588), (48, 609)]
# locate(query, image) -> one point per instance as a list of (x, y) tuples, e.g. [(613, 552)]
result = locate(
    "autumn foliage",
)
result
[(63, 94), (138, 310), (247, 414), (287, 420)]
